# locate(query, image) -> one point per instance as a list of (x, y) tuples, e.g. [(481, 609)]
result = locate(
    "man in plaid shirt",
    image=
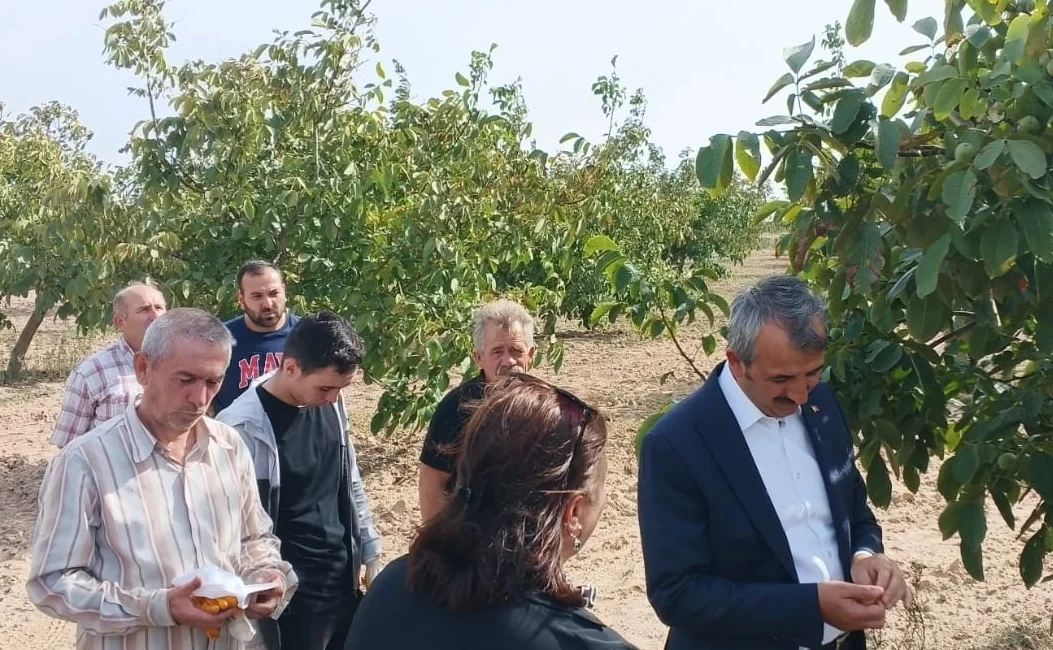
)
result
[(103, 385)]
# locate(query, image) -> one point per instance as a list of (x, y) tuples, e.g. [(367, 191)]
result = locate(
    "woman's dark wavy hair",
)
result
[(499, 538)]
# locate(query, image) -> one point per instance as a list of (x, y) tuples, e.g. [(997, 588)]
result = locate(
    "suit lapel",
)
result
[(728, 446), (828, 465)]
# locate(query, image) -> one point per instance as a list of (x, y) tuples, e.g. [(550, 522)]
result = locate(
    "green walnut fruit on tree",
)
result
[(1049, 68), (1006, 460), (964, 152), (1045, 57), (1029, 124)]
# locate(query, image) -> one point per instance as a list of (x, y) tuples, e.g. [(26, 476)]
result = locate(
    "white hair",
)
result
[(505, 314), (186, 324)]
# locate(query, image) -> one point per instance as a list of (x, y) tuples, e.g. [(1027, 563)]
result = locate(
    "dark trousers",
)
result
[(323, 631), (302, 627)]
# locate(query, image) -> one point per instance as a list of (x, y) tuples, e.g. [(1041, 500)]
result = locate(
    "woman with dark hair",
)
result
[(487, 570)]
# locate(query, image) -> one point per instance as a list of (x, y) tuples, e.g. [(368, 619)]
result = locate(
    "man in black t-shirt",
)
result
[(296, 427), (504, 342)]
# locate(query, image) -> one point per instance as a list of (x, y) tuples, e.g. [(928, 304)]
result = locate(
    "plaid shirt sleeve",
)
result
[(78, 409)]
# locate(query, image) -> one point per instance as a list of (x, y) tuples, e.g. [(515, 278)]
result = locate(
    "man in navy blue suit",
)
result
[(754, 519)]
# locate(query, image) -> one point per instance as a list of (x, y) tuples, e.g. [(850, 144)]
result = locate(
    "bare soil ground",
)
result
[(620, 373)]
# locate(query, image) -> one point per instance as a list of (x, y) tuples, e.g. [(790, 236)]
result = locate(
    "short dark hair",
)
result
[(256, 267), (521, 461), (324, 340)]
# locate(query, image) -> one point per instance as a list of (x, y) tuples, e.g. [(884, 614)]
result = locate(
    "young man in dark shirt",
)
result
[(504, 342), (296, 427), (259, 333)]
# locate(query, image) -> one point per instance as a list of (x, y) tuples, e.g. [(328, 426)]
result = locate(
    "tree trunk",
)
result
[(18, 353)]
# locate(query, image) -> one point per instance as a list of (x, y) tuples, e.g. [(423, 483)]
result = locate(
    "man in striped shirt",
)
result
[(102, 386), (152, 495)]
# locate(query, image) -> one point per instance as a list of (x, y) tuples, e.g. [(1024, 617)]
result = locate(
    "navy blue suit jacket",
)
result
[(718, 565)]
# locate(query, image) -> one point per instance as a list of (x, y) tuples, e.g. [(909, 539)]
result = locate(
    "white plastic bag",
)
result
[(217, 583)]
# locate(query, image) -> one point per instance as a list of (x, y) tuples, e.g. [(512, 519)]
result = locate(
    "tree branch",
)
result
[(672, 334), (952, 334), (922, 151), (172, 167)]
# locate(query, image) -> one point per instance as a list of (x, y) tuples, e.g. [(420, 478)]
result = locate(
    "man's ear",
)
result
[(291, 366), (738, 369), (478, 358), (140, 363)]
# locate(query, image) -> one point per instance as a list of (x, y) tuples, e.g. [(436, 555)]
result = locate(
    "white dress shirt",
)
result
[(794, 482)]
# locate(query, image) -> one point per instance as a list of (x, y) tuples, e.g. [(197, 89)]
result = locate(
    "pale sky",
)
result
[(704, 65)]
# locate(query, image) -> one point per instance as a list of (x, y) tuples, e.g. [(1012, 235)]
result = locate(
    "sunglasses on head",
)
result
[(577, 413)]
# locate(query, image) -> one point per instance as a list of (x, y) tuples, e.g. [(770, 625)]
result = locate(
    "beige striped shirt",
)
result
[(119, 521)]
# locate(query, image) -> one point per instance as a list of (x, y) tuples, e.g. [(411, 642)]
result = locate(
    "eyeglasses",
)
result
[(578, 418)]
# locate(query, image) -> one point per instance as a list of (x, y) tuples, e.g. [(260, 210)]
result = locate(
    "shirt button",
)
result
[(797, 475)]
